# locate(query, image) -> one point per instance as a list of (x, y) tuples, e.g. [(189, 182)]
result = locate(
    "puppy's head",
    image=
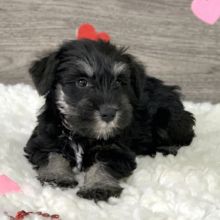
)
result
[(96, 86)]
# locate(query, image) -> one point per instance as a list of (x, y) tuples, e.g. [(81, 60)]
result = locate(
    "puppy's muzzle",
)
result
[(107, 113)]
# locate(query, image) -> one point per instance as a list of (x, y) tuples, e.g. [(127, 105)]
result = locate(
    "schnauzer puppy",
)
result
[(101, 110)]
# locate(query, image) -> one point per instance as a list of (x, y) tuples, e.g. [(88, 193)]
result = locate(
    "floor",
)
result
[(173, 44)]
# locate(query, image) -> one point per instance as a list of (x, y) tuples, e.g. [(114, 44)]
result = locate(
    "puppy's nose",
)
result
[(107, 113)]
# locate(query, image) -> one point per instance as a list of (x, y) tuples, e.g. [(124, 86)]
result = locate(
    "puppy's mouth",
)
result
[(105, 128)]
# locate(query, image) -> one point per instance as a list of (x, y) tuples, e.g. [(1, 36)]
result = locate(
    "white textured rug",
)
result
[(163, 188)]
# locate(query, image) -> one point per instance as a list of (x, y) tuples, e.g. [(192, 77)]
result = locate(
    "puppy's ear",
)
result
[(138, 75), (42, 72)]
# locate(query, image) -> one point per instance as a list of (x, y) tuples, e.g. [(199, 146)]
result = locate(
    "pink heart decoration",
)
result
[(206, 10), (7, 185)]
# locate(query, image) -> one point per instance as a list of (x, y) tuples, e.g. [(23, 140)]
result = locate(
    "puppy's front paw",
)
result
[(99, 193), (63, 182), (57, 172)]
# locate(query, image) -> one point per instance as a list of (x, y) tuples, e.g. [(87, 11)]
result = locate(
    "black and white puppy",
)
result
[(101, 110)]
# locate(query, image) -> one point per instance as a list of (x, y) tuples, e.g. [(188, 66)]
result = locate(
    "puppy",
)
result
[(101, 110)]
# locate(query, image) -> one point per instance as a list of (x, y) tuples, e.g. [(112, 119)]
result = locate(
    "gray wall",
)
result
[(164, 34)]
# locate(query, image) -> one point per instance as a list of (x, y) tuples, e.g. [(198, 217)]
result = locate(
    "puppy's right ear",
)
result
[(42, 72)]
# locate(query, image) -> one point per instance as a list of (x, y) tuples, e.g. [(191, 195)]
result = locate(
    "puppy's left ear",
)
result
[(42, 72), (138, 75)]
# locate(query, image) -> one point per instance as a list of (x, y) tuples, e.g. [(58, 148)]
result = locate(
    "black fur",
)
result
[(152, 117)]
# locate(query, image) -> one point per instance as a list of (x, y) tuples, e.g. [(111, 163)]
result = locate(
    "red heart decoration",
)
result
[(87, 31)]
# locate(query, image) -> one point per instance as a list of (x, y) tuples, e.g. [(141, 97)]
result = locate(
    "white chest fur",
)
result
[(78, 150)]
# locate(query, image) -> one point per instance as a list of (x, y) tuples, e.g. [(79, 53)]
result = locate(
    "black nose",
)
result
[(107, 113)]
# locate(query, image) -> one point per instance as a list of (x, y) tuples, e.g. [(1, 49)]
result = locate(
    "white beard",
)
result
[(103, 129)]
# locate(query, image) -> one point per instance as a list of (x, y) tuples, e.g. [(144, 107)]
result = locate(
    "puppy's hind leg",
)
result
[(57, 172), (173, 132)]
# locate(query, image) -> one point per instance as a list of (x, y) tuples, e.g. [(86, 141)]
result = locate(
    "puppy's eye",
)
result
[(82, 83), (118, 83)]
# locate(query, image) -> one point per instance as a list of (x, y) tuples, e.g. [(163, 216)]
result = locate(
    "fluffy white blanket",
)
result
[(163, 188)]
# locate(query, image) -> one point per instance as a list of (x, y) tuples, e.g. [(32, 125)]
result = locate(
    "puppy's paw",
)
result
[(57, 172), (63, 182), (99, 193), (60, 179)]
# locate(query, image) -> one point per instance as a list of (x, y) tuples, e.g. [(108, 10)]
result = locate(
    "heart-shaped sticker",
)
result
[(87, 31), (7, 185), (206, 10)]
